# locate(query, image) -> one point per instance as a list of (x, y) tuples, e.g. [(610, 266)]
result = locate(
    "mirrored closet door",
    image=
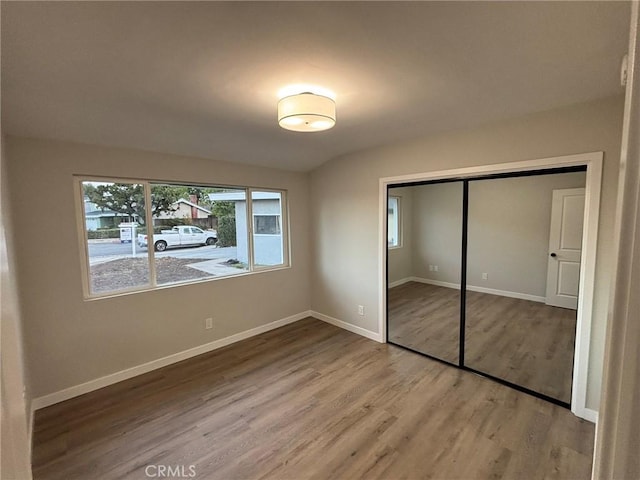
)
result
[(424, 255), (483, 273), (523, 267)]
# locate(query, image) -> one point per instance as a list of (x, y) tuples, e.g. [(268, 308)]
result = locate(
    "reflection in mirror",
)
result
[(424, 264), (523, 262)]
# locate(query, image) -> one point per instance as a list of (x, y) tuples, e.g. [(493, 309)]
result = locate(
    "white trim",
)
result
[(616, 452), (473, 288), (248, 209), (30, 430), (587, 414), (593, 162), (383, 251), (437, 283), (91, 385), (348, 326), (578, 159), (243, 273), (506, 293), (586, 287), (402, 281), (81, 228)]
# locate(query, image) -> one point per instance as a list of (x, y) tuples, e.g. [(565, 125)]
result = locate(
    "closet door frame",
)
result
[(593, 163)]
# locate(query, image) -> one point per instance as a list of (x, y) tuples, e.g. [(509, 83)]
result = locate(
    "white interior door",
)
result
[(565, 248)]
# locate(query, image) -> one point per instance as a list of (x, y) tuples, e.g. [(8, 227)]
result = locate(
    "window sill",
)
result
[(124, 293)]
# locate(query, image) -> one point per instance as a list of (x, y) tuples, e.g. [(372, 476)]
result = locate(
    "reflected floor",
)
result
[(527, 343), (411, 305)]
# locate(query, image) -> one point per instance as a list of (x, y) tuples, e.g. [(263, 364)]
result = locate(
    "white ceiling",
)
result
[(202, 78)]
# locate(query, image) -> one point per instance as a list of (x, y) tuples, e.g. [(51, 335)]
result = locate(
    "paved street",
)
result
[(100, 252)]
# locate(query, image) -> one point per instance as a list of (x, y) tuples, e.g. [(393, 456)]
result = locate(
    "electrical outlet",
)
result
[(485, 276), (360, 309), (208, 323), (435, 268), (431, 268)]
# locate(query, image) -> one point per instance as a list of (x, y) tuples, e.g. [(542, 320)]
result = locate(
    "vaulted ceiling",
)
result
[(201, 78)]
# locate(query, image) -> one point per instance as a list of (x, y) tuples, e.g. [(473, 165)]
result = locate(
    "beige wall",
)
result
[(70, 340), (344, 203), (437, 231), (16, 411)]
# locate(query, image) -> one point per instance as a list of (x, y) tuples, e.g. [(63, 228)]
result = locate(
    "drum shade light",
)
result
[(306, 112)]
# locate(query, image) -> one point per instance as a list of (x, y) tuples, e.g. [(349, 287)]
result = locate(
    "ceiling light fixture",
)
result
[(306, 112)]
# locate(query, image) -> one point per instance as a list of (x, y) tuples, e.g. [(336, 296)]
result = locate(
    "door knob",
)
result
[(554, 255)]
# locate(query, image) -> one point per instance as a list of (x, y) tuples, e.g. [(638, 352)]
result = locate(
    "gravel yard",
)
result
[(134, 272)]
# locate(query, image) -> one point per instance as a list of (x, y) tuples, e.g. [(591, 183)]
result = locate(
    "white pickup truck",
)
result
[(179, 236)]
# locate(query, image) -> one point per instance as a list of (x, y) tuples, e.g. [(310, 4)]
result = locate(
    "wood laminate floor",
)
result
[(527, 343), (311, 401)]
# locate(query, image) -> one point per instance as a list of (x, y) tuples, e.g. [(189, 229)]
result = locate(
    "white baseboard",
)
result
[(587, 414), (76, 390), (474, 288), (30, 430), (506, 293), (348, 326), (437, 283), (402, 281)]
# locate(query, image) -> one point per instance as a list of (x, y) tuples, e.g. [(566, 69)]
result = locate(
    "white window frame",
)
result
[(284, 229), (81, 228), (398, 223)]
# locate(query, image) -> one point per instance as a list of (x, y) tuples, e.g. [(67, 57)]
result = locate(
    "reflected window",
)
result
[(393, 221)]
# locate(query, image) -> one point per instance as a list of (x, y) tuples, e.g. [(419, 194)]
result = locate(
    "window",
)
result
[(266, 224), (393, 222), (192, 253), (112, 213), (268, 240), (140, 235)]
